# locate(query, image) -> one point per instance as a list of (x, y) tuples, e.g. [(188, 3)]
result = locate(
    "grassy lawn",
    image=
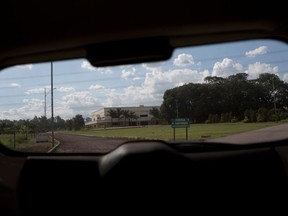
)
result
[(165, 132)]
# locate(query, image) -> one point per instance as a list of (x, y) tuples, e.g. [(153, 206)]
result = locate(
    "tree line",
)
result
[(230, 99), (40, 124), (118, 113)]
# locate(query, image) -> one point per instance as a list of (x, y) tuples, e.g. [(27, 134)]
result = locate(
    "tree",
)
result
[(78, 122), (112, 114), (234, 94), (59, 123), (168, 107), (155, 112), (125, 114), (119, 113), (69, 124), (214, 80), (115, 113), (132, 115), (24, 127)]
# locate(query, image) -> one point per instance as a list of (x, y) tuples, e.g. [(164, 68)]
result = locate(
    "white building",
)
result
[(102, 119)]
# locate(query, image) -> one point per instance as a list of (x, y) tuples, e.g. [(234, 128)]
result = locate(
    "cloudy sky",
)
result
[(80, 88)]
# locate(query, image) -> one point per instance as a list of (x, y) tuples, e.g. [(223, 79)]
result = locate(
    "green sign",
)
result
[(180, 123)]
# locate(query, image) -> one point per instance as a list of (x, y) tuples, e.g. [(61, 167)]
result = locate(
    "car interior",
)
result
[(139, 176)]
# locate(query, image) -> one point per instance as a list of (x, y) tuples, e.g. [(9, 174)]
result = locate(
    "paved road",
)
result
[(261, 135), (86, 144)]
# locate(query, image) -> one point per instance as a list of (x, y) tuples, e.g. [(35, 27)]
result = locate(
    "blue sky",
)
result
[(81, 88)]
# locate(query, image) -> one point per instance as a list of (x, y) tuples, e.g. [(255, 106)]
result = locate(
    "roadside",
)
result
[(80, 143), (40, 146)]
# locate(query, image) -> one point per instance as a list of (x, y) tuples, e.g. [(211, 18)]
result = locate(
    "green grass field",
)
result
[(165, 132)]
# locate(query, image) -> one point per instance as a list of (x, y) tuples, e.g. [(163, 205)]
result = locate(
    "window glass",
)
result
[(203, 93)]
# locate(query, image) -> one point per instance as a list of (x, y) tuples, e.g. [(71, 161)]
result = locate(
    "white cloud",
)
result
[(153, 66), (26, 66), (18, 113), (258, 68), (66, 89), (33, 103), (79, 98), (42, 90), (258, 51), (15, 85), (86, 65), (125, 74), (64, 112), (96, 87), (36, 91), (183, 60), (226, 68), (151, 91), (30, 108), (204, 74), (285, 77), (130, 96), (137, 78), (157, 78), (112, 98)]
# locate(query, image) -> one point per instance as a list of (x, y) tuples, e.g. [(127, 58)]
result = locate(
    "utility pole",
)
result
[(274, 98), (45, 102), (177, 108), (52, 108), (46, 91)]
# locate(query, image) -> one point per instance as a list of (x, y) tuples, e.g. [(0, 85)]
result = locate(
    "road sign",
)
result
[(180, 123)]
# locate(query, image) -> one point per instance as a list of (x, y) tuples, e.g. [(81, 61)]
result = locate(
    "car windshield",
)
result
[(201, 94)]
